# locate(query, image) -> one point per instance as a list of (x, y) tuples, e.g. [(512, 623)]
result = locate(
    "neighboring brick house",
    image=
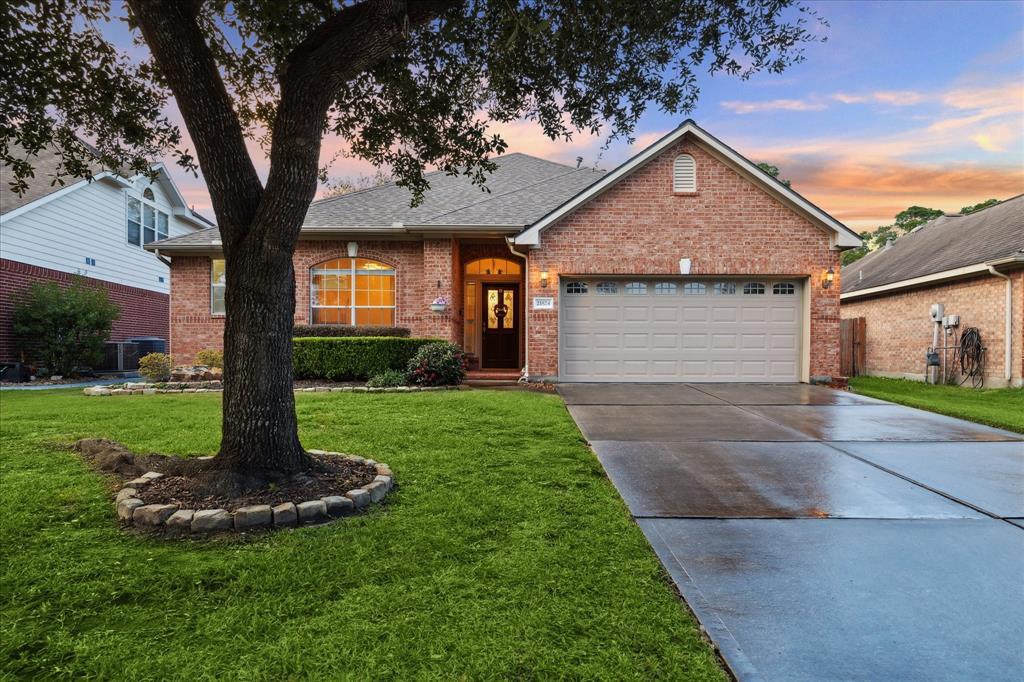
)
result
[(972, 264), (686, 263), (95, 229)]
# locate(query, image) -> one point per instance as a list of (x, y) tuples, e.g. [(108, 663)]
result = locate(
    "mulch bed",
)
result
[(335, 477)]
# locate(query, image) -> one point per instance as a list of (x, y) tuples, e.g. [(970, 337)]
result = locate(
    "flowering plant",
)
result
[(440, 300)]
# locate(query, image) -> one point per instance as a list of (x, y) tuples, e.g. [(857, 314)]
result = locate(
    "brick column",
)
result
[(438, 276)]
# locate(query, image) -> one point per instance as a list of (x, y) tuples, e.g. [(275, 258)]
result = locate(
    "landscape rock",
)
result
[(139, 482), (285, 515), (253, 516), (338, 505), (180, 521), (360, 498), (126, 508), (377, 491), (152, 475), (386, 480), (211, 521), (153, 514), (312, 511), (383, 470), (125, 494)]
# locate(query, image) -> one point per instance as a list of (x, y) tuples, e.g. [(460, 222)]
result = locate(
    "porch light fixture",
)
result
[(828, 278), (544, 279)]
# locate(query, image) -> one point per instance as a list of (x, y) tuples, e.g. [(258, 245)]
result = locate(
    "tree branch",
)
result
[(186, 62)]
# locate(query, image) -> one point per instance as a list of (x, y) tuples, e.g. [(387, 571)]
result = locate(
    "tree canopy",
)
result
[(773, 171)]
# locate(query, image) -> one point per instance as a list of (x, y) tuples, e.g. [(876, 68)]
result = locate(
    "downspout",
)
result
[(1008, 333), (509, 241)]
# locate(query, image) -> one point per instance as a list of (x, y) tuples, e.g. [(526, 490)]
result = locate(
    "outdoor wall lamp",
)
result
[(828, 278), (543, 279)]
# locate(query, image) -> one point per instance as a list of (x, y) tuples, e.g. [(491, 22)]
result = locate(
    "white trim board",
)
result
[(934, 278), (844, 236)]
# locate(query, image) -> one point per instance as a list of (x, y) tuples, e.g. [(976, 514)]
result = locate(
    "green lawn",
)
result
[(503, 553), (1002, 407)]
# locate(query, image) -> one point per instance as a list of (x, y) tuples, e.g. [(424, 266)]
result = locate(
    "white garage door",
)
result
[(649, 330)]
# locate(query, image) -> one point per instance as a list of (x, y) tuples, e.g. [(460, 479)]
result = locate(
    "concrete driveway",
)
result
[(821, 535)]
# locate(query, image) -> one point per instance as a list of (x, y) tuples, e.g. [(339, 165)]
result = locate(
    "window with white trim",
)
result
[(665, 289), (753, 289), (217, 283), (636, 288), (607, 288), (684, 174), (783, 289), (355, 291), (694, 289), (724, 288), (576, 288), (146, 223)]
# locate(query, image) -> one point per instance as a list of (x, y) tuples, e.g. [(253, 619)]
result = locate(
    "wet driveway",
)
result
[(821, 535)]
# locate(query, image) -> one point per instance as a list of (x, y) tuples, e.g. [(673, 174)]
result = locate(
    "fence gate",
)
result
[(852, 352)]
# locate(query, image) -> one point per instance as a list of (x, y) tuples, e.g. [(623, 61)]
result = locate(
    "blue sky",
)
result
[(905, 103)]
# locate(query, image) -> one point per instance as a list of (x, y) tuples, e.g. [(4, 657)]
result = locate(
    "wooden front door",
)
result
[(500, 326)]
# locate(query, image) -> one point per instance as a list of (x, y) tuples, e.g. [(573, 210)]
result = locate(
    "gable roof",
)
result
[(521, 190), (42, 188), (953, 244), (844, 236)]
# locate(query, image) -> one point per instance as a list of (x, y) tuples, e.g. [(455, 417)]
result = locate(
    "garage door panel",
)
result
[(677, 336)]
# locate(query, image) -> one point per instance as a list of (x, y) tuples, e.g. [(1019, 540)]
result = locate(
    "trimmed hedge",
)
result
[(303, 331), (340, 359)]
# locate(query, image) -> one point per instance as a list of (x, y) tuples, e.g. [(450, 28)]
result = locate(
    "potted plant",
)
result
[(439, 304)]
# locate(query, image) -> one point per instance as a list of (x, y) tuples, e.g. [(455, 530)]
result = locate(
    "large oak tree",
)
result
[(408, 85)]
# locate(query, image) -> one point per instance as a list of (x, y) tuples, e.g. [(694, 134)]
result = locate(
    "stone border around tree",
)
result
[(153, 389), (132, 511)]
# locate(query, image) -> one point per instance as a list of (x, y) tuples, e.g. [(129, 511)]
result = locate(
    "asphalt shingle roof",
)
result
[(946, 243), (44, 166)]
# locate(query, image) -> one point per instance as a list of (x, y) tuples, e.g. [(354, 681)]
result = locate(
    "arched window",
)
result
[(493, 266), (684, 174), (354, 291)]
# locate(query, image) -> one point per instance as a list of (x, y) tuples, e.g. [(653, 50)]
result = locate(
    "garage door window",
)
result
[(576, 288), (724, 288), (607, 288), (636, 289), (783, 289), (753, 289), (665, 289), (694, 289)]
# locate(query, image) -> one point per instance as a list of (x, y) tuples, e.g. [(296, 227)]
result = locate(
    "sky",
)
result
[(905, 103)]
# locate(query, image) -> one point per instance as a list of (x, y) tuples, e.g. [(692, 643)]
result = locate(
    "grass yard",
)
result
[(1001, 407), (503, 553)]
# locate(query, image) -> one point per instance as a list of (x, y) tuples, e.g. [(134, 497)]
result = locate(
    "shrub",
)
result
[(438, 364), (345, 330), (339, 359), (387, 379), (155, 366), (210, 357), (65, 328)]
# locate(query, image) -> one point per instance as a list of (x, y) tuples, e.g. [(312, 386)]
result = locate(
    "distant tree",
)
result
[(354, 183), (966, 210), (64, 327), (772, 171), (904, 222)]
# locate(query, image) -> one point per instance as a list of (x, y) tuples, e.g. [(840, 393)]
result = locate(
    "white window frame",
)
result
[(159, 217), (214, 286), (352, 307)]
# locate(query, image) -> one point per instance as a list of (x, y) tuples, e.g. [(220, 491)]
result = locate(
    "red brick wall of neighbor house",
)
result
[(419, 267), (143, 312), (899, 330), (729, 226)]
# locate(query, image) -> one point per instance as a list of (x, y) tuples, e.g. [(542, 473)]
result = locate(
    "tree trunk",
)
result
[(259, 439)]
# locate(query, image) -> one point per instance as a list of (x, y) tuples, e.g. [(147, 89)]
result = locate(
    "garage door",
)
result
[(680, 330)]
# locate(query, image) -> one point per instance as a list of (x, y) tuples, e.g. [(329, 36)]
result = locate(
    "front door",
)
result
[(501, 326)]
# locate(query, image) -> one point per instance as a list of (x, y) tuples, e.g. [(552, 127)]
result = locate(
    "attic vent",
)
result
[(684, 174)]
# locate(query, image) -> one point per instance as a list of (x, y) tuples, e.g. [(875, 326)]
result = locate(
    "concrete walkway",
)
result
[(821, 535)]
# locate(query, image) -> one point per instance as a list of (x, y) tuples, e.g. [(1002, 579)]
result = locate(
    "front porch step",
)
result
[(493, 375)]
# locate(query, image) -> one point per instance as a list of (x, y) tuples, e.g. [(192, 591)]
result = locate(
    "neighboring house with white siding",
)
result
[(95, 229)]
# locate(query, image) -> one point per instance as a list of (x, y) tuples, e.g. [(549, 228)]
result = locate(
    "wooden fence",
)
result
[(852, 351)]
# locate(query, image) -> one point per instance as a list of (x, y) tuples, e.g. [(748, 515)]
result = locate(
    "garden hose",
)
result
[(970, 353)]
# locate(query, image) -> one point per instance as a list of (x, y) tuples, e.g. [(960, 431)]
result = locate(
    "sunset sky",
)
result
[(906, 103)]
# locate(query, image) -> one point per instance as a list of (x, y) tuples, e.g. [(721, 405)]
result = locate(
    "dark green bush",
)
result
[(344, 330), (438, 364), (339, 359), (389, 378), (64, 327)]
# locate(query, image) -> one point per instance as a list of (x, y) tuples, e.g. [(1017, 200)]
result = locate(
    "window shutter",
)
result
[(684, 174)]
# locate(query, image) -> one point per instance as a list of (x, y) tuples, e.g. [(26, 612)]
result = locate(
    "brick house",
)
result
[(687, 262), (95, 229), (971, 264)]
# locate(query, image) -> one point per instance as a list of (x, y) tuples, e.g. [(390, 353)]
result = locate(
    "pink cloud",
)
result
[(738, 107)]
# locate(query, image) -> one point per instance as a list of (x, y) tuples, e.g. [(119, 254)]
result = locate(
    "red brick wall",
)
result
[(143, 312), (899, 329), (729, 226), (419, 266)]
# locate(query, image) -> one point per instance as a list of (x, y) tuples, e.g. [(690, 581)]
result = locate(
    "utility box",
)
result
[(937, 312)]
